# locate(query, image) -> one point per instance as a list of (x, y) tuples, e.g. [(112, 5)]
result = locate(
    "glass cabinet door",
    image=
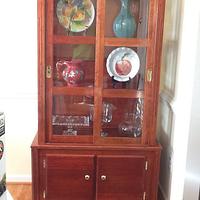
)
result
[(126, 67), (70, 69)]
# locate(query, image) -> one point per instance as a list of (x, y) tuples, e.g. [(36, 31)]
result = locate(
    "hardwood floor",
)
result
[(20, 191)]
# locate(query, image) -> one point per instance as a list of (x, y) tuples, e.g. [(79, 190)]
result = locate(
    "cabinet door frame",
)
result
[(88, 160), (127, 161)]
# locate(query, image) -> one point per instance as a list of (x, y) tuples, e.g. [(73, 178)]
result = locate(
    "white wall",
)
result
[(181, 100), (192, 176), (166, 118), (18, 83), (184, 94)]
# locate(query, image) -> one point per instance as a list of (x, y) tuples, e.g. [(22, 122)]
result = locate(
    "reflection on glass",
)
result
[(127, 120), (71, 122), (107, 110), (132, 124), (71, 115)]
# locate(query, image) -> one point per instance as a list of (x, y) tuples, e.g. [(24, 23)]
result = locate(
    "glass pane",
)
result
[(122, 121), (74, 65), (71, 115), (126, 18), (75, 18), (124, 68)]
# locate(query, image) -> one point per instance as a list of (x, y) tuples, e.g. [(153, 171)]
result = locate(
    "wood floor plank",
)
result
[(20, 191)]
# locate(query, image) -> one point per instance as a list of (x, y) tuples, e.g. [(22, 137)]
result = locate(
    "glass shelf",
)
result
[(122, 121)]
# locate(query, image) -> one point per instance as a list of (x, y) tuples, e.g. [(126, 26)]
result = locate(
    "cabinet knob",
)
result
[(103, 177), (87, 177)]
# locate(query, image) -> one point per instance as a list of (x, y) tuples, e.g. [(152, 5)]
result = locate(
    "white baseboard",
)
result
[(18, 178)]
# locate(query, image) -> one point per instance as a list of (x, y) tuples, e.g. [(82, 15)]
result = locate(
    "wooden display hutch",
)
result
[(96, 135)]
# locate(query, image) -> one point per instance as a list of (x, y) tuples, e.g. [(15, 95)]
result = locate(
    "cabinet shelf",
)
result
[(122, 93), (120, 140), (133, 42), (72, 139), (109, 93), (77, 91), (73, 39)]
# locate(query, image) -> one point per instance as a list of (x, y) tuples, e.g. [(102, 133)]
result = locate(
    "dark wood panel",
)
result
[(125, 177), (65, 177)]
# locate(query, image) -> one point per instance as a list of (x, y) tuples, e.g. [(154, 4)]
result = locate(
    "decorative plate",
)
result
[(123, 64), (75, 15)]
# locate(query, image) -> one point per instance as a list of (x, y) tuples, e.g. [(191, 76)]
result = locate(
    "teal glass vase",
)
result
[(124, 24)]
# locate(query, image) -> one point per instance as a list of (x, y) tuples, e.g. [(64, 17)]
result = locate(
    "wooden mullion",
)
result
[(49, 62), (150, 65), (99, 57)]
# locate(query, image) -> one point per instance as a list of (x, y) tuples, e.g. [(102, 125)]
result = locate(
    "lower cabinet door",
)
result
[(69, 177), (120, 178)]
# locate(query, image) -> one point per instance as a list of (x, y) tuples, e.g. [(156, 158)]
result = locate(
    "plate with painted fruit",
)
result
[(75, 15), (123, 64)]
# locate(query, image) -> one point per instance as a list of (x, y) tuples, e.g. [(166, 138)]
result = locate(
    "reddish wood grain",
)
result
[(125, 177), (126, 42), (73, 39), (122, 93), (41, 71), (124, 167)]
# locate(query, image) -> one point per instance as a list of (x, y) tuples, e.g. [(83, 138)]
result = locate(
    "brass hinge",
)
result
[(144, 196), (149, 75), (44, 194), (48, 71), (44, 163), (146, 165)]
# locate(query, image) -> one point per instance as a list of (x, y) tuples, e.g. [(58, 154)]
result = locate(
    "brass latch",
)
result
[(48, 71), (149, 75)]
